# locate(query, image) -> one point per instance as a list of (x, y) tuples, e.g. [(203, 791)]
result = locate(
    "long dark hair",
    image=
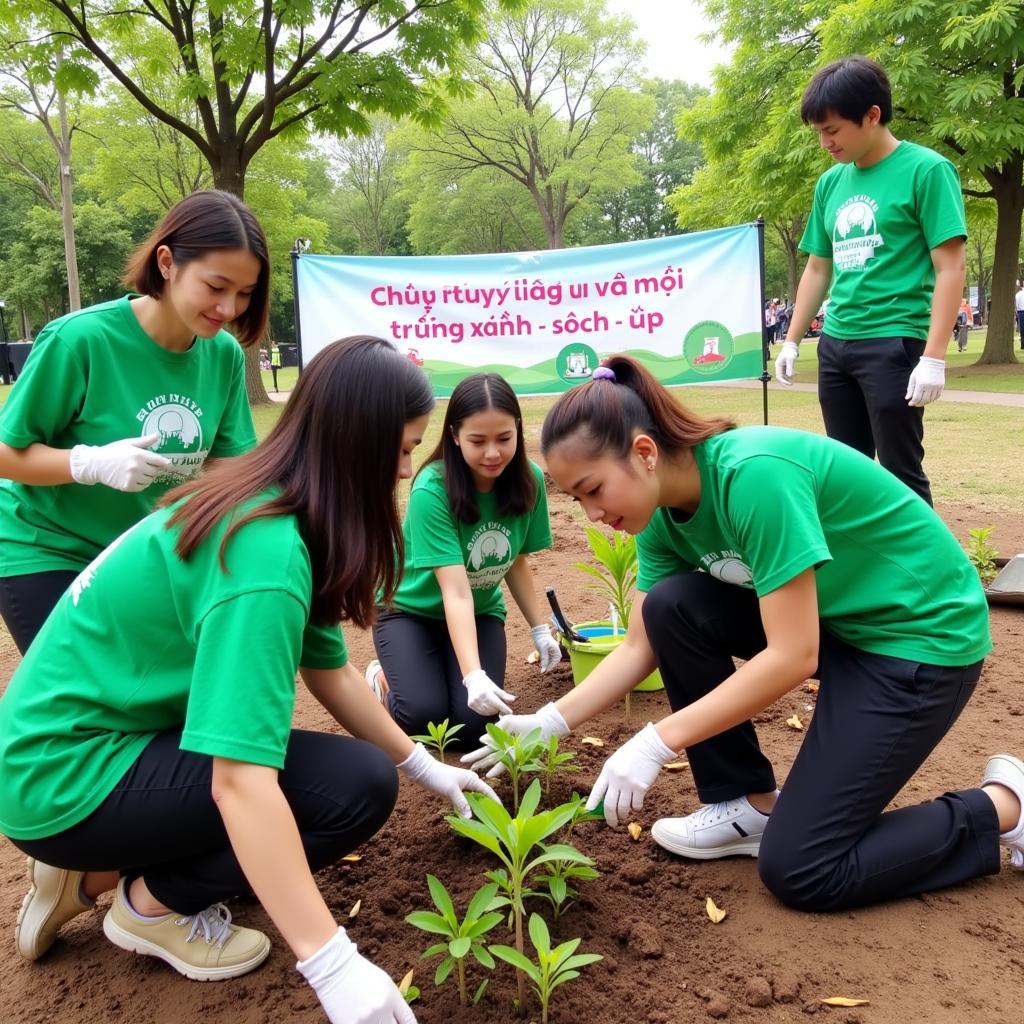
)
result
[(515, 490), (334, 453), (193, 227), (605, 415)]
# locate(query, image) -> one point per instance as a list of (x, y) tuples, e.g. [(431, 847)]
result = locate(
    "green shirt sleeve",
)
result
[(240, 705), (771, 505), (46, 395), (235, 432), (323, 647), (817, 239), (656, 558), (940, 205), (538, 533), (433, 532)]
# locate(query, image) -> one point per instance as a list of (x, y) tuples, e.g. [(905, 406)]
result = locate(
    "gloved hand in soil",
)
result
[(444, 779), (486, 697), (548, 719), (124, 465), (628, 774), (547, 647), (351, 989)]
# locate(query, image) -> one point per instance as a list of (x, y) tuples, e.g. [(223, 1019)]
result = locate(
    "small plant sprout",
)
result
[(512, 841), (552, 762), (617, 576), (552, 968), (461, 937), (982, 555), (519, 754), (438, 738), (557, 878)]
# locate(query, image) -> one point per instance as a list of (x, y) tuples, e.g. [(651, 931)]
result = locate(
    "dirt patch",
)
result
[(945, 957)]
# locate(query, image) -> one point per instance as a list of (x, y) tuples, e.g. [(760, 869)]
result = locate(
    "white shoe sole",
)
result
[(136, 944), (36, 908), (666, 839)]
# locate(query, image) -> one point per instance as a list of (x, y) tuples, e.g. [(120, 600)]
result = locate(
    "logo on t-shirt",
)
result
[(855, 235), (729, 567), (175, 419), (490, 556)]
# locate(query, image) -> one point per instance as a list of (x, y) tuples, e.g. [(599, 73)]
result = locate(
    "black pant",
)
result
[(862, 387), (424, 677), (26, 602), (160, 821), (828, 845), (1020, 325)]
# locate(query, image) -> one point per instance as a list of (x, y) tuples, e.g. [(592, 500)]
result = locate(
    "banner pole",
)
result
[(765, 375), (296, 252)]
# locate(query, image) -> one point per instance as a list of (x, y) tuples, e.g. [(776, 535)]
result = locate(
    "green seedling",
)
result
[(519, 754), (513, 841), (552, 762), (438, 738), (552, 968), (560, 873), (580, 812), (461, 937), (982, 555)]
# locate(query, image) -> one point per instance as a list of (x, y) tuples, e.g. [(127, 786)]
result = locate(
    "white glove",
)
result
[(785, 363), (548, 719), (445, 779), (628, 774), (351, 989), (926, 381), (486, 697), (547, 647), (124, 465)]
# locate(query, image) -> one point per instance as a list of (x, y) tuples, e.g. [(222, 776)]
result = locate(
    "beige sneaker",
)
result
[(204, 946), (54, 898)]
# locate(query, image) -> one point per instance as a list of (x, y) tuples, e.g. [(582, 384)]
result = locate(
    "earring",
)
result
[(650, 467)]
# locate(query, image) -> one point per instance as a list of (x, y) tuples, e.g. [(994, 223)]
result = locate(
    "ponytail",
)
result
[(620, 402)]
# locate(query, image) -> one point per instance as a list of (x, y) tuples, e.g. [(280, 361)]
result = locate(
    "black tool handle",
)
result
[(561, 620)]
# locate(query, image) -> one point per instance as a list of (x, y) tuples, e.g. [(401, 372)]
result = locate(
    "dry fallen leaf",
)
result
[(843, 1001), (634, 830), (795, 723), (811, 686), (403, 985), (355, 908), (352, 857), (717, 916), (592, 741), (676, 766), (533, 657)]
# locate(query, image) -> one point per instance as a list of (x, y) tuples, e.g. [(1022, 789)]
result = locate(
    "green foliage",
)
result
[(462, 938), (616, 577), (438, 738), (520, 754), (551, 761), (553, 967), (982, 554), (558, 878)]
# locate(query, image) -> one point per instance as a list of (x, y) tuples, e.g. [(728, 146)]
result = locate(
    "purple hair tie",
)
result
[(604, 373)]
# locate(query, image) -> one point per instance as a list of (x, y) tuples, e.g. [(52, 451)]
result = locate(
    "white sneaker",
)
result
[(729, 829), (1008, 771), (374, 676)]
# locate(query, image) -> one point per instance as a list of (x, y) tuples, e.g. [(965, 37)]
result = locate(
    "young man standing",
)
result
[(1019, 307), (887, 231)]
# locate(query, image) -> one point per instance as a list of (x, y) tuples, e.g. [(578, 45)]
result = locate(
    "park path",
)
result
[(971, 397)]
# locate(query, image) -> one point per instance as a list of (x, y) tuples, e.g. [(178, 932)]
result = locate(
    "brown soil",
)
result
[(944, 958)]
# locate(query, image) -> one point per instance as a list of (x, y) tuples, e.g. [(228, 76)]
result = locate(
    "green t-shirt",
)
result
[(878, 226), (93, 377), (143, 643), (891, 578), (487, 548)]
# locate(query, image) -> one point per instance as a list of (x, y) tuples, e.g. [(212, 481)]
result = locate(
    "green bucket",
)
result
[(585, 657)]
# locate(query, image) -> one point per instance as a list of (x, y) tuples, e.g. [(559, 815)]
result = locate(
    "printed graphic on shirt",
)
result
[(729, 567), (855, 235), (175, 418), (490, 556), (84, 579)]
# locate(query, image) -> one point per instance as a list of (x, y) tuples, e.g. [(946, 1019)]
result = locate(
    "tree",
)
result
[(552, 108), (958, 80), (262, 68), (981, 225)]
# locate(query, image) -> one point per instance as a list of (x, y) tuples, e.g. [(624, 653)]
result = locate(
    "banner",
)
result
[(689, 307)]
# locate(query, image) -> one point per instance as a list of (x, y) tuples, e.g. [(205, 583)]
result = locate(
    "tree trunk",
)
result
[(67, 205), (230, 177), (1009, 194)]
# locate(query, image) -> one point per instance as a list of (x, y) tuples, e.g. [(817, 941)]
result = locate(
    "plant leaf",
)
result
[(485, 958), (354, 912), (717, 916), (403, 985), (428, 921), (438, 947), (795, 723), (444, 968), (635, 830), (843, 1001), (443, 902), (592, 741), (481, 901), (478, 994), (676, 766), (539, 935), (516, 959), (482, 925), (459, 947)]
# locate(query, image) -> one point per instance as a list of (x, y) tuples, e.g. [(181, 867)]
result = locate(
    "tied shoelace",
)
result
[(214, 922), (715, 812)]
